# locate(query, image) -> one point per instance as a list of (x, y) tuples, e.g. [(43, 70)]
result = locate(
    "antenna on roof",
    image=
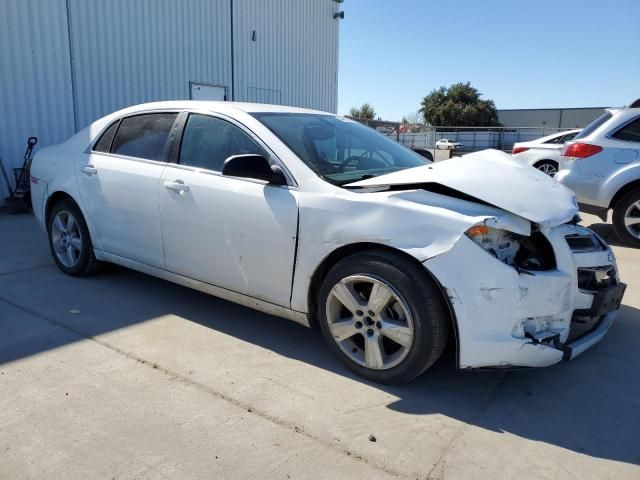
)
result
[(635, 104)]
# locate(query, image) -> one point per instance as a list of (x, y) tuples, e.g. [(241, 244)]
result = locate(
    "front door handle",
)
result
[(89, 170), (178, 186)]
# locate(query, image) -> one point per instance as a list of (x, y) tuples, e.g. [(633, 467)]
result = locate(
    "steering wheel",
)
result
[(351, 159)]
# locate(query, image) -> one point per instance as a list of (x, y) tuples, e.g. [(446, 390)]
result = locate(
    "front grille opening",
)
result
[(596, 278), (535, 253)]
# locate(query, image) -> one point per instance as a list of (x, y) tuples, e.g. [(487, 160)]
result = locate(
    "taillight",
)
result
[(519, 150), (580, 150)]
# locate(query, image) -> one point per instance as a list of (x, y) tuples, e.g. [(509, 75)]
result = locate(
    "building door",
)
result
[(201, 91)]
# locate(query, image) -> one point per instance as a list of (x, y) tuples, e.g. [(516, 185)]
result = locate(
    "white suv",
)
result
[(602, 166)]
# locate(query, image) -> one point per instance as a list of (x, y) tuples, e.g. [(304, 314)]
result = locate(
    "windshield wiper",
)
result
[(356, 179), (368, 188)]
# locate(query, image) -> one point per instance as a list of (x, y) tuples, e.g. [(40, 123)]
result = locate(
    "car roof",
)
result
[(219, 107)]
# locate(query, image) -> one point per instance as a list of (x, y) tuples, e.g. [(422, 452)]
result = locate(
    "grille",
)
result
[(596, 278)]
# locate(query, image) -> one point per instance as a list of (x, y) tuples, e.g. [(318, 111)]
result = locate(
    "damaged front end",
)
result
[(534, 299)]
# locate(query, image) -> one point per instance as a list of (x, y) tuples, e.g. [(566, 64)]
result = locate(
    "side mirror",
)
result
[(253, 166)]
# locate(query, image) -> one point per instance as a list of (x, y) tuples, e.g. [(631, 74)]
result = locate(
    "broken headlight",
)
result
[(500, 243), (532, 252)]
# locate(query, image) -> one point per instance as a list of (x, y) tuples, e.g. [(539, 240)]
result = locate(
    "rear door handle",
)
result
[(89, 170), (178, 186)]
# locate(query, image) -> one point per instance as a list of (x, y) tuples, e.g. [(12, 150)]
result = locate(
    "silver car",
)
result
[(602, 166)]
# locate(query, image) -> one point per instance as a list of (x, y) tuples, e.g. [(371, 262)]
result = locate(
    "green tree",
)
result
[(458, 105), (365, 112), (412, 118)]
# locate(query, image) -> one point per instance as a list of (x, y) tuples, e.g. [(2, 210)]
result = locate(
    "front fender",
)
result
[(420, 223)]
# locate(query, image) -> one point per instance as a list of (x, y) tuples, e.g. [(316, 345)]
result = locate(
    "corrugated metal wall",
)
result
[(549, 117), (292, 58), (127, 52), (65, 63), (35, 78)]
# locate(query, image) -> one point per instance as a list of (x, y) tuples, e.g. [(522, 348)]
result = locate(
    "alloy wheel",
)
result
[(370, 321), (67, 238), (548, 168), (632, 219)]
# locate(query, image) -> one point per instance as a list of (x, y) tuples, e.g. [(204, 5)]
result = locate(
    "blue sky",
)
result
[(521, 54)]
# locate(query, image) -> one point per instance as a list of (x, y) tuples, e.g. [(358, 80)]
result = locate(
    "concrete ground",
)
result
[(125, 376)]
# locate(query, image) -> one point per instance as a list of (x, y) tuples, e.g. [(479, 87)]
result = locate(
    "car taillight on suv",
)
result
[(580, 150)]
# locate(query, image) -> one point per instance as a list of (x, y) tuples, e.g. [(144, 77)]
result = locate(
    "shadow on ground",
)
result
[(606, 231), (589, 405)]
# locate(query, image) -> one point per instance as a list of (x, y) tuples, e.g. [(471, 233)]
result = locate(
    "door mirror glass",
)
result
[(253, 166)]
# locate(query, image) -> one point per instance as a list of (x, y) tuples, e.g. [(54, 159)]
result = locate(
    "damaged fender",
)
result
[(420, 223)]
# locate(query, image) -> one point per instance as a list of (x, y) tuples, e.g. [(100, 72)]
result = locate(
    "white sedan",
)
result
[(322, 220), (543, 153), (446, 144)]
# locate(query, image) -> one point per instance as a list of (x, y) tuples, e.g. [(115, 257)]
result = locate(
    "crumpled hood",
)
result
[(493, 177)]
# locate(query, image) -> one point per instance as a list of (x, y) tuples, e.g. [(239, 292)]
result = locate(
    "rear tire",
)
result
[(69, 240), (548, 166), (383, 316), (626, 218)]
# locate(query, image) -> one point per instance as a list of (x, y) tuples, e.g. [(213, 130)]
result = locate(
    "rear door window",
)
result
[(630, 132), (144, 136)]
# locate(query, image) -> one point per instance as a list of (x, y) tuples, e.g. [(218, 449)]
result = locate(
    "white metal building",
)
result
[(65, 63)]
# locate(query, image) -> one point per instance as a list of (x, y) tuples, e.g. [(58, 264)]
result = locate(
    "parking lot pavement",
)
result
[(122, 375)]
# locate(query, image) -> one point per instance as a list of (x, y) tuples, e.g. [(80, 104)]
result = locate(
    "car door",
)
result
[(118, 182), (239, 234)]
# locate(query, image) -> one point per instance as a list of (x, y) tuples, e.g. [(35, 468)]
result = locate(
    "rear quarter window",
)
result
[(630, 132), (104, 144), (593, 126)]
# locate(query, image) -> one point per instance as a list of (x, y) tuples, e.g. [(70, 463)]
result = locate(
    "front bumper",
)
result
[(507, 318)]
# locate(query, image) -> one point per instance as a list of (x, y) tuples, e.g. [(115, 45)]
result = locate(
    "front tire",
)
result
[(383, 316), (626, 218), (69, 239)]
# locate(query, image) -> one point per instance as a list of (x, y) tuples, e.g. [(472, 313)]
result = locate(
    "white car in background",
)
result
[(322, 220), (543, 153), (446, 144), (602, 166)]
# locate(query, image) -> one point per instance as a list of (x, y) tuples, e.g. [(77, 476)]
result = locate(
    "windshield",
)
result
[(339, 150)]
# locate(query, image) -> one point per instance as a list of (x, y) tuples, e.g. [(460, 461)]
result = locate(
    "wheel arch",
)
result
[(346, 250), (629, 187), (53, 199), (59, 195), (546, 160)]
